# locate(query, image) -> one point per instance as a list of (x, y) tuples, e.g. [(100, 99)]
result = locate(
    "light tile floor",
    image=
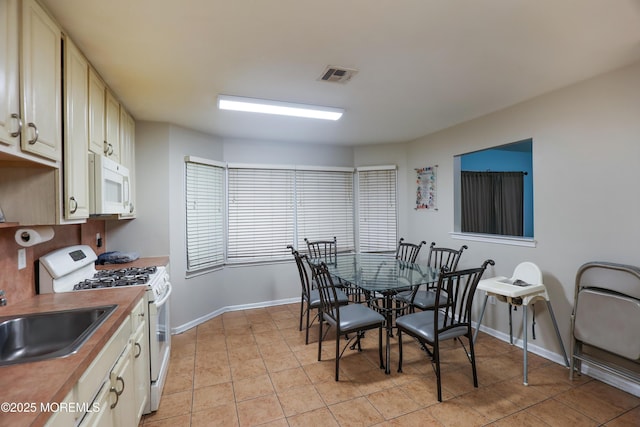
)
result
[(249, 368)]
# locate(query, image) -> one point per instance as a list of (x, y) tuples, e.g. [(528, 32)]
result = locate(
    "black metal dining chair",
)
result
[(449, 319), (327, 250), (346, 319), (408, 252), (422, 297), (310, 297)]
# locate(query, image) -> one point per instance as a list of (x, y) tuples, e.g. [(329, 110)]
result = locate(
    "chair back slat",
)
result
[(326, 249), (444, 257), (408, 252)]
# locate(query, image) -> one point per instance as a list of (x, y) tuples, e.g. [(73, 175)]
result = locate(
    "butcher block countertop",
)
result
[(28, 385)]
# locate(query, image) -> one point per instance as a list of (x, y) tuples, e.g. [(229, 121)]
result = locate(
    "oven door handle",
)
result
[(164, 299)]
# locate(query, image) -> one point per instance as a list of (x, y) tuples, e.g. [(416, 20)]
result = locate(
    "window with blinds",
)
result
[(261, 213), (324, 207), (205, 207), (377, 209), (258, 211)]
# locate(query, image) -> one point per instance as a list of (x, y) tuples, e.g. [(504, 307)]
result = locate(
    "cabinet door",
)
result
[(64, 418), (9, 83), (76, 140), (141, 369), (112, 128), (104, 416), (97, 138), (122, 383), (127, 157), (41, 78), (115, 400)]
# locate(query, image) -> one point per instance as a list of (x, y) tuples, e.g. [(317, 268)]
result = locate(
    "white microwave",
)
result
[(108, 186)]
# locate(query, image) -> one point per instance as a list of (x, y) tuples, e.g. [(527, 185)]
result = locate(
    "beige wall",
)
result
[(586, 148)]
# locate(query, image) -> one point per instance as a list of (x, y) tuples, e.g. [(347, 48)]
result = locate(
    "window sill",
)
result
[(489, 238), (195, 273)]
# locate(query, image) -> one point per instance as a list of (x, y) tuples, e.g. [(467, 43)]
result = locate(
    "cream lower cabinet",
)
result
[(141, 368), (114, 390), (114, 404), (62, 416)]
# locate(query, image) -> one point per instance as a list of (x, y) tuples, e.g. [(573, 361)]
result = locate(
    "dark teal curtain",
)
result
[(492, 202)]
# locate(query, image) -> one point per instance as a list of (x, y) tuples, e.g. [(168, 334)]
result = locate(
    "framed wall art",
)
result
[(427, 184)]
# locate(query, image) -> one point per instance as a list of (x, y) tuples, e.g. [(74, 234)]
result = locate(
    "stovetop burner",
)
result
[(130, 276)]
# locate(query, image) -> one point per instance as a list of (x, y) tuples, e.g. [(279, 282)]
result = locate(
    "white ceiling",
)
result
[(424, 65)]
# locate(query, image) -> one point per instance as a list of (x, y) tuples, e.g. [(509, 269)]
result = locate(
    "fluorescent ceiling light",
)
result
[(254, 105)]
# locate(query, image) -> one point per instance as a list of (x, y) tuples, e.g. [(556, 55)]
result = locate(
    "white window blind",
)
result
[(325, 207), (205, 206), (261, 213), (377, 207)]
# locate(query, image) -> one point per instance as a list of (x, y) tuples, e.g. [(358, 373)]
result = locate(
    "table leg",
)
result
[(389, 315), (524, 343), (484, 307)]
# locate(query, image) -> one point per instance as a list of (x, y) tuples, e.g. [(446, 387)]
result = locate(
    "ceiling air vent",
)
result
[(337, 74)]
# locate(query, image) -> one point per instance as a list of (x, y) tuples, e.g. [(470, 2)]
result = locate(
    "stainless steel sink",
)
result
[(41, 336)]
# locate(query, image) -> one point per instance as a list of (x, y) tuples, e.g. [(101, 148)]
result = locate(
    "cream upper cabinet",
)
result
[(9, 80), (41, 80), (76, 133), (97, 92), (112, 127), (127, 156), (104, 119)]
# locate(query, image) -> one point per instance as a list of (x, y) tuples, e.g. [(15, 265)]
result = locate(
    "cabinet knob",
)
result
[(16, 133), (114, 404), (73, 205), (35, 129), (107, 148)]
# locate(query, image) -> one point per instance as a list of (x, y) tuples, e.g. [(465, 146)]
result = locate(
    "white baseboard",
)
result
[(611, 379), (192, 324), (587, 369)]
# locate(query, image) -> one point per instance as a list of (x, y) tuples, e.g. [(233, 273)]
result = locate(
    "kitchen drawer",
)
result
[(138, 314), (90, 381)]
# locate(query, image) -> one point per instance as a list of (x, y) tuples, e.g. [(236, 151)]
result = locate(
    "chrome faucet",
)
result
[(3, 300)]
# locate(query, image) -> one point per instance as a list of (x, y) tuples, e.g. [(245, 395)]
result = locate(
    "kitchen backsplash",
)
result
[(20, 284)]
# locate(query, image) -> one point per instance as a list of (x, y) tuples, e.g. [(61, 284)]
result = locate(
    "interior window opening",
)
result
[(494, 191)]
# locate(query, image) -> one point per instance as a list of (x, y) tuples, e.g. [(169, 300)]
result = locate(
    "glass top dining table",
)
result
[(378, 272), (380, 277)]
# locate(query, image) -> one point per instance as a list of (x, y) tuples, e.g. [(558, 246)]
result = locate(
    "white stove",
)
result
[(72, 269)]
